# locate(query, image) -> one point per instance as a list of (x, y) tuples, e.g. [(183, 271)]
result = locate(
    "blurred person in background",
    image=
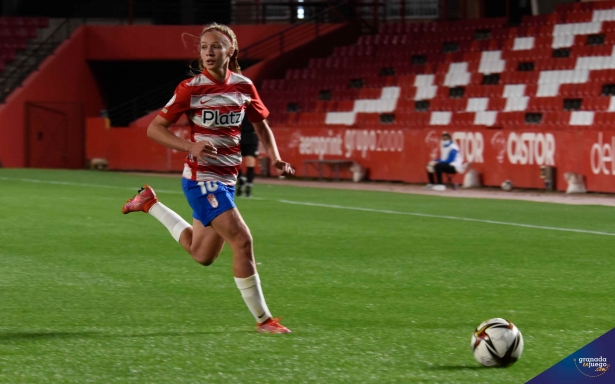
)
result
[(450, 162), (249, 153)]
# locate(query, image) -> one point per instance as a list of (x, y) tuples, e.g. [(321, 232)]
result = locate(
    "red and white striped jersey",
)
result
[(215, 111)]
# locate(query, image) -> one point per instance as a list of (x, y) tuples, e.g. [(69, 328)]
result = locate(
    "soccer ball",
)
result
[(497, 343)]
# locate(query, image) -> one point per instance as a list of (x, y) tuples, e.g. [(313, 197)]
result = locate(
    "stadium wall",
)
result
[(392, 154), (497, 154), (65, 77)]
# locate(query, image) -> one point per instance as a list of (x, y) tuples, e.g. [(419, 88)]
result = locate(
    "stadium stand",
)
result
[(15, 32), (552, 70)]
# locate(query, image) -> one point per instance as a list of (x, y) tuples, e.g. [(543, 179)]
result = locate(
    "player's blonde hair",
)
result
[(232, 40)]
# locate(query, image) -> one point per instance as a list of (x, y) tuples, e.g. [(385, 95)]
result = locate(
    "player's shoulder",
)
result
[(236, 78), (197, 81)]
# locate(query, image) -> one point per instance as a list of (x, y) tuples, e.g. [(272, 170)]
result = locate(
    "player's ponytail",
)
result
[(233, 65)]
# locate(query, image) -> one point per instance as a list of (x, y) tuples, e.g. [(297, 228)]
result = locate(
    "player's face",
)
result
[(214, 50)]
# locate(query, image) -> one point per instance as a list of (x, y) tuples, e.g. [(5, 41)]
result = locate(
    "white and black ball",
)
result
[(497, 343)]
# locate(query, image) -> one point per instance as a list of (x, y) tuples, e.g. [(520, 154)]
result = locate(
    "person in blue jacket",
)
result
[(450, 161)]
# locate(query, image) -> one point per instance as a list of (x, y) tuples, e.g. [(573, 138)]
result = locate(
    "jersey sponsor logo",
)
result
[(212, 201), (216, 119)]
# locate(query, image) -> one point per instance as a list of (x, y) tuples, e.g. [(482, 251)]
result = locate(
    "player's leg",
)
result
[(147, 201), (430, 175), (203, 243), (450, 170), (231, 226), (250, 164), (439, 168), (241, 182)]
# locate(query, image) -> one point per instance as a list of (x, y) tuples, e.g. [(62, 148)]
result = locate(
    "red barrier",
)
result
[(130, 149), (63, 77), (498, 155), (399, 154)]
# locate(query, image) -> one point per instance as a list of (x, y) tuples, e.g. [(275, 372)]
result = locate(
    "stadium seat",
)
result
[(549, 71)]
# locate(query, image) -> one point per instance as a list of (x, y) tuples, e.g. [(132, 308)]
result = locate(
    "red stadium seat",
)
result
[(419, 51)]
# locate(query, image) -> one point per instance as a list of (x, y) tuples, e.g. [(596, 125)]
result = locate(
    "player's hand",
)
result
[(284, 168), (203, 150)]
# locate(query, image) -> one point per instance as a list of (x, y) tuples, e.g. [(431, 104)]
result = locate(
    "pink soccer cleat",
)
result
[(142, 202), (272, 326)]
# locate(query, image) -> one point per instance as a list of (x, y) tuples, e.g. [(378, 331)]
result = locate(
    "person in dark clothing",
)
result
[(249, 153), (450, 161)]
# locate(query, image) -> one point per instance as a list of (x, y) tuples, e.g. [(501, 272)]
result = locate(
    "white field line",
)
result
[(447, 217), (333, 206), (82, 184)]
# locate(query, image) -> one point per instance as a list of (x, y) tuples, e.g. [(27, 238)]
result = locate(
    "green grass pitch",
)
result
[(91, 295)]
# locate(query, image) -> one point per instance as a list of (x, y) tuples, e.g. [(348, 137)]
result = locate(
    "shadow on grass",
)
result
[(454, 367), (32, 336), (25, 336)]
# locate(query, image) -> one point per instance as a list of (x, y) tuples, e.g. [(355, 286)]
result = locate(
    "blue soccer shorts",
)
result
[(208, 199)]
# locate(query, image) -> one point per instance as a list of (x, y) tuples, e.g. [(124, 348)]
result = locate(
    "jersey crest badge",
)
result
[(212, 200)]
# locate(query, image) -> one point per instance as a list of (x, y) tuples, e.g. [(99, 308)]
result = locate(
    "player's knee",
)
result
[(206, 262), (204, 259), (244, 241)]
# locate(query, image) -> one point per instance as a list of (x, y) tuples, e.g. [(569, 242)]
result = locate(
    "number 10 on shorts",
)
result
[(208, 186)]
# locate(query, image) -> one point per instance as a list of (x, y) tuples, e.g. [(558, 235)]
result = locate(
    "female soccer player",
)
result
[(215, 102)]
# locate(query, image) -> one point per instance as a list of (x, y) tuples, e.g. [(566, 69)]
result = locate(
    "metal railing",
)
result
[(399, 10), (127, 112), (202, 12), (34, 54), (280, 42), (246, 11), (306, 17)]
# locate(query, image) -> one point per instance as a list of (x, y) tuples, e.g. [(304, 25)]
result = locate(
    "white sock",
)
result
[(252, 293), (174, 222)]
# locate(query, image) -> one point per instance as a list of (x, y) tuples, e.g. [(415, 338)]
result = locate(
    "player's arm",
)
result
[(266, 137), (158, 131)]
